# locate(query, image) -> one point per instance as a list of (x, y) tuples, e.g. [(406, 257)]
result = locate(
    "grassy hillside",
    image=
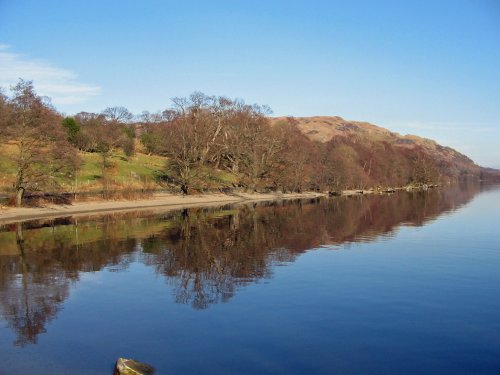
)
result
[(136, 170), (140, 171)]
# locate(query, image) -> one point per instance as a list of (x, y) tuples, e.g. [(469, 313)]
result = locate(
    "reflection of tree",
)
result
[(35, 282), (32, 305), (29, 298), (206, 255), (189, 255)]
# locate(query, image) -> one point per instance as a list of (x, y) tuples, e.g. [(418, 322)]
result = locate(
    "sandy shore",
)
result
[(159, 202)]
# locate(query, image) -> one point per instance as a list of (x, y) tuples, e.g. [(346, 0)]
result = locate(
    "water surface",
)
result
[(407, 283)]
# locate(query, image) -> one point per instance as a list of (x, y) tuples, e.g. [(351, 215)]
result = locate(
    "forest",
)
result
[(198, 144)]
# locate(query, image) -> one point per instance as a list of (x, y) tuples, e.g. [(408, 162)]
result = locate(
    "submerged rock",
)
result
[(131, 367)]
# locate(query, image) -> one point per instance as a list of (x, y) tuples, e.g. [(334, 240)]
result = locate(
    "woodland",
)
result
[(198, 144)]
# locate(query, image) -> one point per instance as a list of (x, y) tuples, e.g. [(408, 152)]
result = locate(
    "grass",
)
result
[(135, 171), (124, 173), (122, 169)]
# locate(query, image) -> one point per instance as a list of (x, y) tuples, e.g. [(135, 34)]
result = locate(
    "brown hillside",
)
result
[(326, 129)]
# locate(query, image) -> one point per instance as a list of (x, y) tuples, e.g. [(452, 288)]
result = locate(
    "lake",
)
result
[(391, 284)]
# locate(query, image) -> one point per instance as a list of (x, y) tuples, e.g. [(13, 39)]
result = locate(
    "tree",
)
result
[(90, 125), (189, 136), (424, 170), (248, 146), (103, 135), (117, 114), (43, 153), (262, 147), (72, 128), (296, 160), (120, 117), (149, 130), (184, 151), (203, 132)]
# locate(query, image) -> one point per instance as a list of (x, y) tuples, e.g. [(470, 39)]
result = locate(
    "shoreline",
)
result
[(163, 202), (168, 202)]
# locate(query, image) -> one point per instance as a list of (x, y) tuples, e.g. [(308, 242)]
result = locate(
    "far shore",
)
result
[(161, 202)]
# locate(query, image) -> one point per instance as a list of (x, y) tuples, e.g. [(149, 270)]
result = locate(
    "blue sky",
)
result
[(430, 68)]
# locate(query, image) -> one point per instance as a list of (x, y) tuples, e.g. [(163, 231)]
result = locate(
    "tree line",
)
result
[(197, 135)]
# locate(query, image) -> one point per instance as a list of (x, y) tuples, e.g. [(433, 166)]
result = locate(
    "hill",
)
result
[(362, 135)]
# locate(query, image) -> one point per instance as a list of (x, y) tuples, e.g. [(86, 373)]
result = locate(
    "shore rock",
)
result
[(126, 366)]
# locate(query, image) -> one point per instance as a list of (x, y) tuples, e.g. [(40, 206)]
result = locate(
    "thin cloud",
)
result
[(61, 85)]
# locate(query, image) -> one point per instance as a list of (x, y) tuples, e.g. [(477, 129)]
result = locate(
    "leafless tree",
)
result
[(117, 114), (43, 153)]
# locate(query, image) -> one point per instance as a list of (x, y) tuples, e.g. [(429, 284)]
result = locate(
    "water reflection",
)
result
[(204, 254)]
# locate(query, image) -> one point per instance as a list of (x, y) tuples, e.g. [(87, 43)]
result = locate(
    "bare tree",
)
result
[(296, 161), (190, 136), (34, 126), (183, 149), (117, 114), (120, 117)]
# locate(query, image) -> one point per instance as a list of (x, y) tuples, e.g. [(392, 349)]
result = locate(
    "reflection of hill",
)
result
[(206, 255)]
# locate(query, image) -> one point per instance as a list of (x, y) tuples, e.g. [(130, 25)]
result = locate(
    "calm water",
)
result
[(408, 283)]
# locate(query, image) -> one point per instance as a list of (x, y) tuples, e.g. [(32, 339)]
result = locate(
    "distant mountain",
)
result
[(363, 138)]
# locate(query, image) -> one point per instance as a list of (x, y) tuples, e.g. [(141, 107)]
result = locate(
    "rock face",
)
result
[(131, 367)]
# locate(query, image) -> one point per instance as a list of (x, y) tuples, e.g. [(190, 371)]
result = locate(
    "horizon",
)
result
[(425, 69)]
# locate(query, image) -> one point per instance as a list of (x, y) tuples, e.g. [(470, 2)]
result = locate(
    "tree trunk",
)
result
[(19, 196)]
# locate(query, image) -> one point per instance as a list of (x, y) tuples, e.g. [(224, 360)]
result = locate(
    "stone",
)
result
[(126, 366)]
